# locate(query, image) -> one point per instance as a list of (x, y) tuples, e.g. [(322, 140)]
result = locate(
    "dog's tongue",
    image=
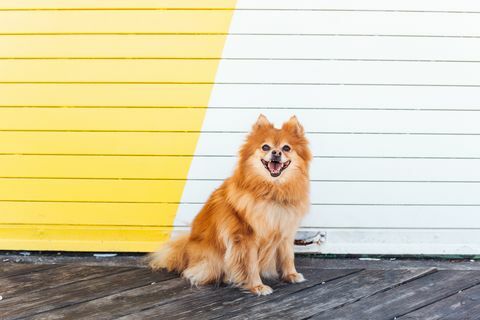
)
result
[(274, 166)]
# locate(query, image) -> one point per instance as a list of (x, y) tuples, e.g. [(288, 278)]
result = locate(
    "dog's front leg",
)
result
[(242, 269), (286, 257)]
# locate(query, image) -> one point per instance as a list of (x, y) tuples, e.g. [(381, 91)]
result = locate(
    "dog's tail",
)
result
[(171, 256)]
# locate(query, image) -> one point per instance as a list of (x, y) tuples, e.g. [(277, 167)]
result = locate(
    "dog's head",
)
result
[(276, 155)]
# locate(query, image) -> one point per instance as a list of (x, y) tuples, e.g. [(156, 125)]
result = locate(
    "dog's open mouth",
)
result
[(275, 167)]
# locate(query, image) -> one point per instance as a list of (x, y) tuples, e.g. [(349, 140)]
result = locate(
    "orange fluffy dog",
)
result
[(246, 229)]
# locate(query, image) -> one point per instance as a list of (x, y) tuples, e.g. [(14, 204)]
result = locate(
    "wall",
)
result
[(97, 145)]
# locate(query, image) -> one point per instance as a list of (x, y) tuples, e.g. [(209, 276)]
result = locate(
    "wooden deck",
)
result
[(72, 290)]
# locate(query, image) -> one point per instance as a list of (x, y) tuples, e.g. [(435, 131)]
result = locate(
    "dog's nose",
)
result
[(276, 155)]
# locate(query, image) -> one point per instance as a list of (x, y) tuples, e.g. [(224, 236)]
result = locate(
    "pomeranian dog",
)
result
[(246, 229)]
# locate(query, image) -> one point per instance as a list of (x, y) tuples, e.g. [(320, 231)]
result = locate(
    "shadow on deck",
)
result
[(336, 289)]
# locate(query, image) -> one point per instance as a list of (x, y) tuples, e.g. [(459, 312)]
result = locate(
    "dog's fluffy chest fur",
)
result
[(268, 217)]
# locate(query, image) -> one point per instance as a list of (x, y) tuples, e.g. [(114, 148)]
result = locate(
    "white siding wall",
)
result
[(389, 93)]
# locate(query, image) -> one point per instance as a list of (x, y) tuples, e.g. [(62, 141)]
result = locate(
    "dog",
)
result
[(246, 229)]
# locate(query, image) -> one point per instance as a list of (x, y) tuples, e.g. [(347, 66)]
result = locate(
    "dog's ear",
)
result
[(294, 126), (262, 122)]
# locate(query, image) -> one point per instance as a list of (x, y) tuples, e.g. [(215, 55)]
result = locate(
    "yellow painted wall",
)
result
[(101, 104)]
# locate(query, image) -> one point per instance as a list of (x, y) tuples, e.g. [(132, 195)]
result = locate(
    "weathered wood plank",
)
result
[(131, 260), (12, 269), (210, 302), (302, 261), (463, 305), (51, 278), (126, 301), (386, 263), (405, 298), (41, 301), (319, 298)]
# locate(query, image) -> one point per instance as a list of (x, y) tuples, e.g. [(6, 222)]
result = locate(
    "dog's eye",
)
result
[(265, 147), (286, 148)]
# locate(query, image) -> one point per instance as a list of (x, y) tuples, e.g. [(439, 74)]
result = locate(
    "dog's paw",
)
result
[(261, 290), (294, 278)]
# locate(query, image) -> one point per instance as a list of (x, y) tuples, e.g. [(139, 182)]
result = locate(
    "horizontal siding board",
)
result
[(445, 5), (362, 145), (139, 143), (91, 190), (354, 216), (321, 216), (167, 191), (105, 95), (241, 71), (116, 4), (435, 241), (391, 121), (101, 119), (382, 193), (239, 47), (246, 96), (360, 169), (226, 144), (359, 23), (154, 167), (400, 242), (345, 96), (356, 72), (87, 213), (115, 21), (395, 217), (225, 120), (105, 46), (82, 238), (172, 71), (350, 47), (396, 193), (95, 167), (259, 22)]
